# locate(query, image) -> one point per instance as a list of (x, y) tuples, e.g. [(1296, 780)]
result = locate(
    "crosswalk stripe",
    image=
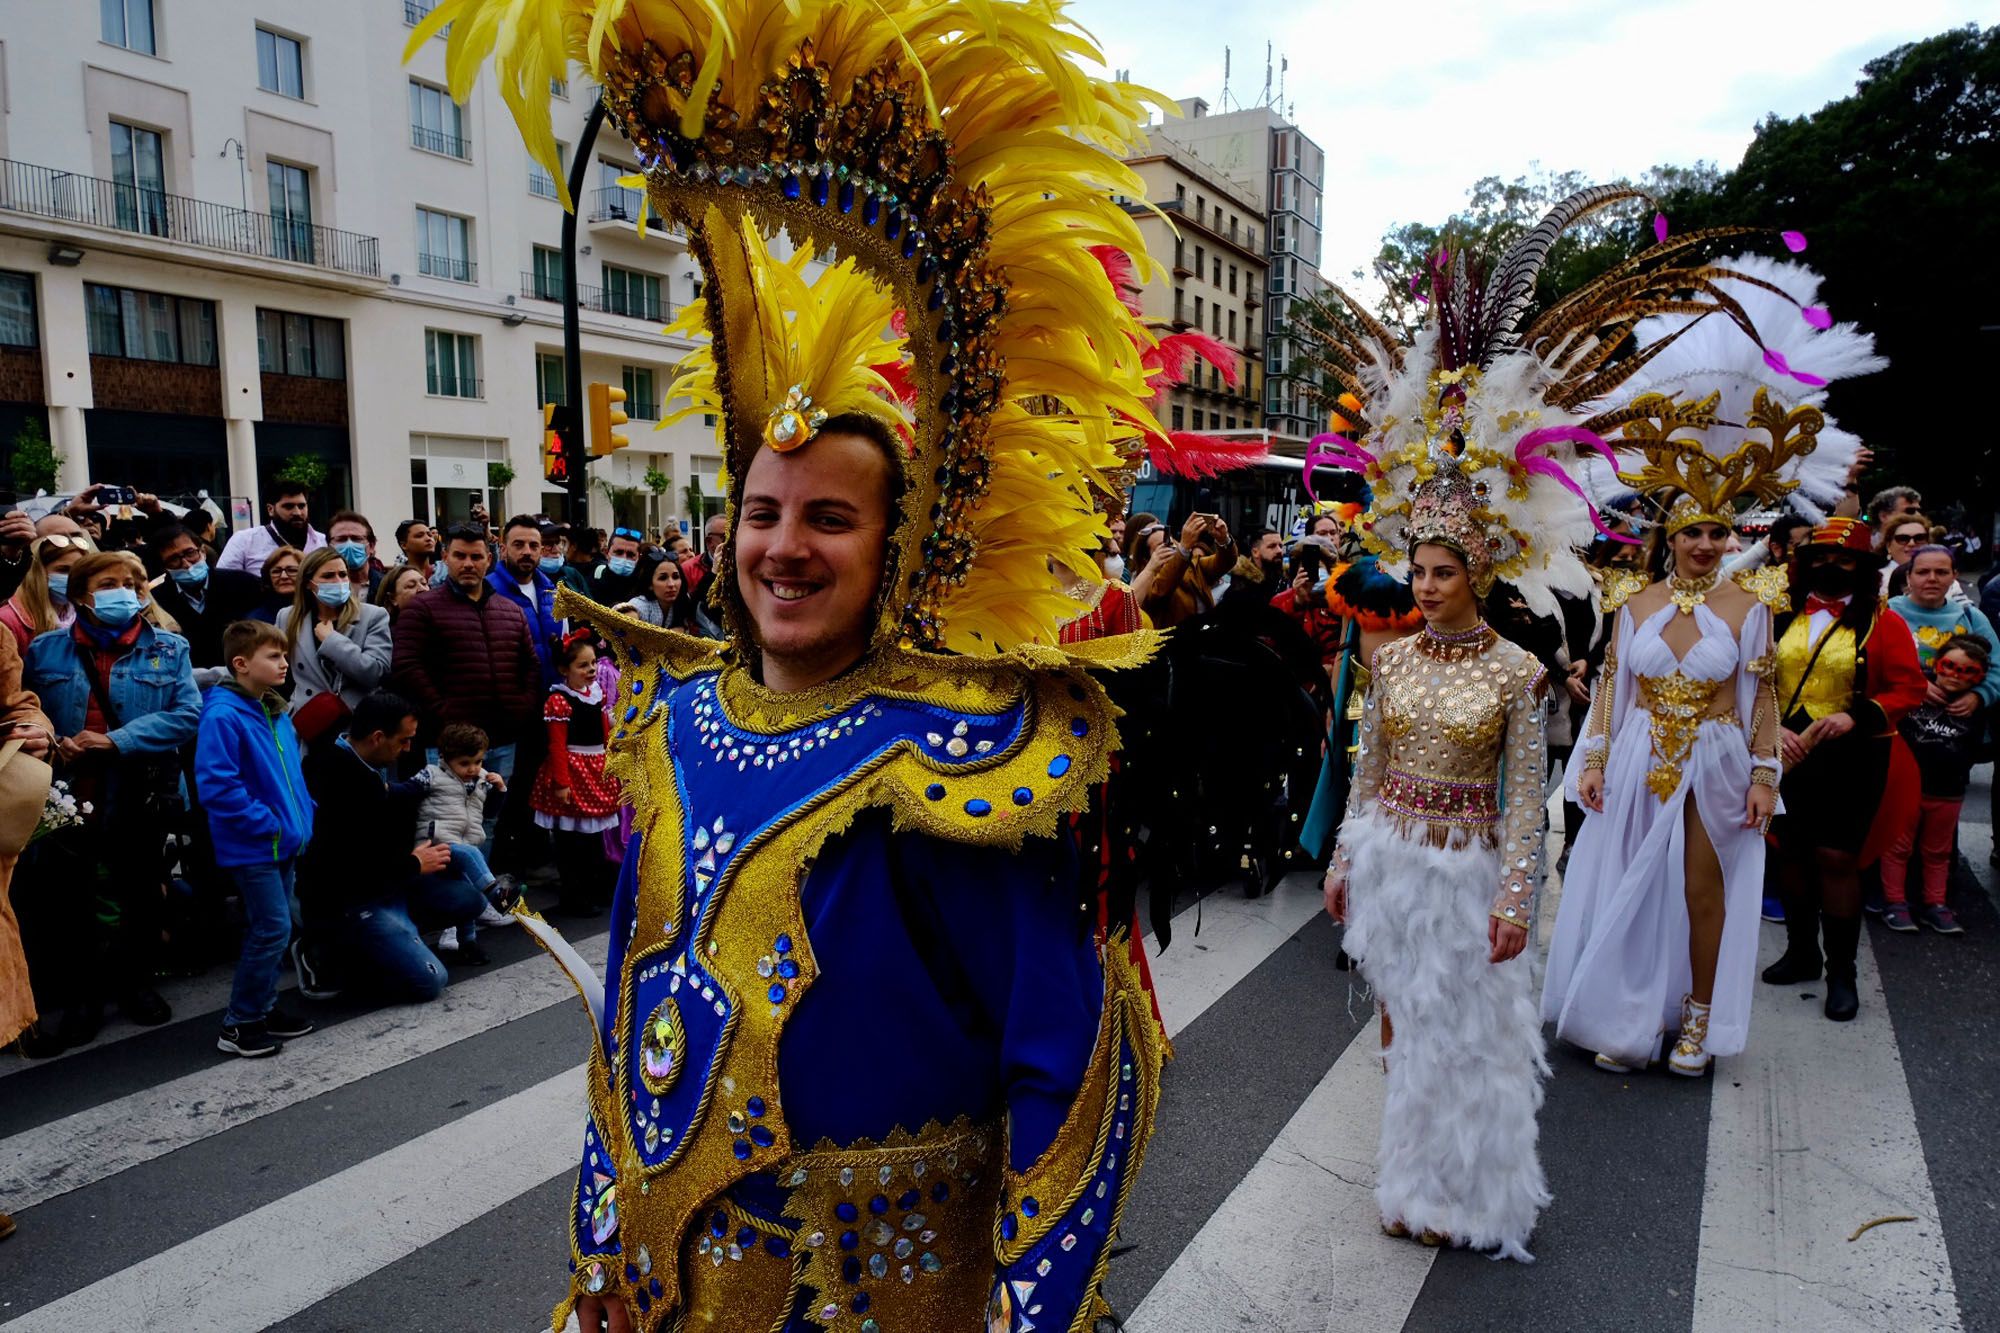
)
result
[(121, 1133), (275, 1261), (1297, 1247), (1811, 1135), (1237, 935)]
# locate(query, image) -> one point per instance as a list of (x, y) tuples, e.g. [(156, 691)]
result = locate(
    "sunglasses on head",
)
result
[(63, 541), (633, 533)]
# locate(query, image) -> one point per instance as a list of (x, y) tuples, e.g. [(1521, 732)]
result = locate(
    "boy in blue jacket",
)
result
[(246, 766)]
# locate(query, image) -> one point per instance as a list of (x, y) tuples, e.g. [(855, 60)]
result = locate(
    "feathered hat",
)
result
[(1721, 421), (953, 155)]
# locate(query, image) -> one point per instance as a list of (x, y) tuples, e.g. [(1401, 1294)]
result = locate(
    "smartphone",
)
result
[(434, 831), (117, 495)]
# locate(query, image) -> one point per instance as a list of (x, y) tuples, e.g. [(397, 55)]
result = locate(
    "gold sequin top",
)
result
[(1452, 747)]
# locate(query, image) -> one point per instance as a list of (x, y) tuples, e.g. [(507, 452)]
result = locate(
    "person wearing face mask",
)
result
[(353, 536), (618, 579), (1847, 672), (121, 697), (287, 524), (201, 600), (519, 577), (339, 646), (41, 603)]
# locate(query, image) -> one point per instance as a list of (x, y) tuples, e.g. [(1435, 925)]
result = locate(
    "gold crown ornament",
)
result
[(958, 163), (1709, 488)]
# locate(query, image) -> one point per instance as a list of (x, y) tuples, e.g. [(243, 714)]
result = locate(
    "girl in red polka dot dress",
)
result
[(572, 797)]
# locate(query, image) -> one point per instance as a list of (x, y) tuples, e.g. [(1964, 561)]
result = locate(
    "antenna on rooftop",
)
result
[(1225, 79), (1264, 99), (1284, 64)]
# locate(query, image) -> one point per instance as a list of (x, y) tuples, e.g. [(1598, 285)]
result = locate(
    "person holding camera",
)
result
[(1178, 580)]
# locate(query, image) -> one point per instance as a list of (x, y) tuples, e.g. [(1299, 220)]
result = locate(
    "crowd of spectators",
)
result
[(293, 753)]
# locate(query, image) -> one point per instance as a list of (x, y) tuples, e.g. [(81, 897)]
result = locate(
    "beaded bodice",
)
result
[(1452, 745)]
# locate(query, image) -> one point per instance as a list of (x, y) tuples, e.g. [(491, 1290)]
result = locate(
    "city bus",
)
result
[(1270, 493)]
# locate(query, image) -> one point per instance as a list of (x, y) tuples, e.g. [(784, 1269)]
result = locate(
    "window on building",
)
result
[(641, 404), (291, 211), (1232, 279), (444, 246), (281, 64), (558, 87), (128, 23), (1180, 253), (19, 326), (1197, 312), (1215, 421), (293, 344), (1180, 303), (1229, 423), (540, 182), (449, 474), (1215, 320), (1180, 417), (149, 326), (546, 280), (1180, 195), (437, 124), (1215, 277), (1200, 209), (1200, 262), (451, 364), (1232, 326), (138, 166), (549, 375), (627, 292)]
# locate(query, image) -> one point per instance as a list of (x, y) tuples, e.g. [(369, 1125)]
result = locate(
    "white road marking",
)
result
[(1811, 1133), (113, 1136), (1237, 935), (340, 1229)]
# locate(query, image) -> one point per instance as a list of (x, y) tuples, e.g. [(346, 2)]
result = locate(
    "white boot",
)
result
[(1689, 1057)]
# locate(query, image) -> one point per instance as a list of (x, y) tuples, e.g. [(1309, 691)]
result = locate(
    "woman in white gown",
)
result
[(1657, 930)]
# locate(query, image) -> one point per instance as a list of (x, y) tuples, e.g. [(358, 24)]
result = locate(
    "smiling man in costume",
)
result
[(864, 1057)]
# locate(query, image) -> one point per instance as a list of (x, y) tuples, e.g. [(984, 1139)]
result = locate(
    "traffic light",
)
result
[(605, 418), (555, 464)]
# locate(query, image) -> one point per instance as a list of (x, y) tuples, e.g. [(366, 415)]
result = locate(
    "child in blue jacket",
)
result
[(246, 766)]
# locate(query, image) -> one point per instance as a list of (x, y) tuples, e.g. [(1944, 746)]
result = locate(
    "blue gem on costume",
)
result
[(638, 687), (631, 1272), (755, 1106), (861, 1302), (1059, 765), (909, 1200), (1030, 1207), (791, 187), (718, 1225), (978, 809), (821, 185), (871, 210), (1009, 1227), (783, 944), (777, 992), (935, 791), (846, 1212), (1022, 796), (878, 1205), (778, 1247), (850, 1269), (631, 712), (849, 1239), (655, 1287), (1079, 727), (645, 1301), (847, 196), (742, 1150), (940, 1192), (788, 969), (746, 1236), (762, 1137), (892, 224)]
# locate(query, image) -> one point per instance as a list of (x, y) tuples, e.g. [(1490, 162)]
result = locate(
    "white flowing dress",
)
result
[(1618, 963)]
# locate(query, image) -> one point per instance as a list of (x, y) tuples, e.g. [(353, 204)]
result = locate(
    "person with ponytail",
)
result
[(339, 645)]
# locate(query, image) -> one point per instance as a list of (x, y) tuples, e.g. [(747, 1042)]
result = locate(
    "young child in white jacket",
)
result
[(452, 812)]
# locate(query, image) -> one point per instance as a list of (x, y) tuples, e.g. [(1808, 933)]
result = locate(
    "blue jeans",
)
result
[(469, 864), (269, 910), (383, 944), (499, 759)]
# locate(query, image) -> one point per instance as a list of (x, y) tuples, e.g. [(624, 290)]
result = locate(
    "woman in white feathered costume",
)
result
[(1679, 764)]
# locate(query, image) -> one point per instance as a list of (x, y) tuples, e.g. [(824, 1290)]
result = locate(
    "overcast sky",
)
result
[(1413, 100)]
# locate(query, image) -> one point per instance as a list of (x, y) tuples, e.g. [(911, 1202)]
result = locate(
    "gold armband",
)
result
[(1764, 776)]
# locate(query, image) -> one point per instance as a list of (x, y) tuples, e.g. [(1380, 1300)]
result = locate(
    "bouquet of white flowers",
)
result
[(60, 810)]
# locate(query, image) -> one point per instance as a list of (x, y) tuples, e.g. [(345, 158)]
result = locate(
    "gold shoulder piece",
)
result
[(1770, 585), (1619, 587), (683, 655)]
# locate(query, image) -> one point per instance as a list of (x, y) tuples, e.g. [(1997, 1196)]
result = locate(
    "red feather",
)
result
[(1184, 453), (1118, 268), (1176, 355)]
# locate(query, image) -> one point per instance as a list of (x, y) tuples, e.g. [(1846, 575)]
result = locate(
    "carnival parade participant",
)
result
[(861, 804), (1679, 764), (1846, 674)]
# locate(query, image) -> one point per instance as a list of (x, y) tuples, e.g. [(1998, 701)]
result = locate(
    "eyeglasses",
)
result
[(62, 541), (1907, 538)]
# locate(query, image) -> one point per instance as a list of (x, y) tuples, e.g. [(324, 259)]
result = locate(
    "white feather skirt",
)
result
[(1466, 1060)]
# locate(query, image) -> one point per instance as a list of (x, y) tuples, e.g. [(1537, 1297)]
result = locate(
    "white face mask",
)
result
[(1114, 567)]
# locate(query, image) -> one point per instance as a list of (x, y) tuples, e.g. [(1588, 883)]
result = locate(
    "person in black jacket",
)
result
[(367, 890)]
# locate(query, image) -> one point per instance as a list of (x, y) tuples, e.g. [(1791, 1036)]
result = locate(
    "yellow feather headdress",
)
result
[(961, 164)]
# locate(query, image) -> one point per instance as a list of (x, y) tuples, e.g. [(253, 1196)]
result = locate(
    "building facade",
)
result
[(1282, 173), (1207, 241), (236, 235)]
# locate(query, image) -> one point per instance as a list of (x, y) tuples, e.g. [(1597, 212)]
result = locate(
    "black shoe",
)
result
[(285, 1025), (1843, 1002), (145, 1007), (39, 1042), (1793, 968), (314, 983), (504, 893), (467, 954), (248, 1040)]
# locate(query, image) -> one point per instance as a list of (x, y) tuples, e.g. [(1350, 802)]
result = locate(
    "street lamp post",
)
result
[(568, 419)]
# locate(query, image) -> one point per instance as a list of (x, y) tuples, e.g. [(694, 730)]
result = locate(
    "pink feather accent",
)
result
[(1809, 379), (1795, 241), (1184, 453), (1333, 450), (899, 324), (1817, 315), (1524, 454), (1118, 268), (1175, 356), (1660, 227), (1775, 359)]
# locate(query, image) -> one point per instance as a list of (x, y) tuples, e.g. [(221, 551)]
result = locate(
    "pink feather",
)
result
[(1660, 227), (1118, 268), (1795, 241), (1176, 353), (1818, 316)]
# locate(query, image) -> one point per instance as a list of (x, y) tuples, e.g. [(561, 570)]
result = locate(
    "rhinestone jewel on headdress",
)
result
[(1443, 511), (793, 421)]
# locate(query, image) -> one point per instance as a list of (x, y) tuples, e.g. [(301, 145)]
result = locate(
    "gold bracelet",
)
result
[(1764, 777), (1594, 763)]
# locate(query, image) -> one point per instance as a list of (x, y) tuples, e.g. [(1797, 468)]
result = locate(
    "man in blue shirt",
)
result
[(518, 578)]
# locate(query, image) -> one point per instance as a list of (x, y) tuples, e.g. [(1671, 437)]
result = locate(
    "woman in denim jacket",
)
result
[(121, 696)]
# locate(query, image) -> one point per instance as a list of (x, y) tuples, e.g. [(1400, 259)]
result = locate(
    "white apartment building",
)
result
[(234, 232)]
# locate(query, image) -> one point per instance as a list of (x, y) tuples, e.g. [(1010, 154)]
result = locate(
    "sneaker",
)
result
[(1896, 916), (503, 895), (1872, 901), (285, 1025), (313, 981), (448, 940), (145, 1007), (1940, 918), (1774, 910), (248, 1040)]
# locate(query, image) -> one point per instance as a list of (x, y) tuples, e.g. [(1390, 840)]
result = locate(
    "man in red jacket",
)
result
[(466, 654), (1846, 671)]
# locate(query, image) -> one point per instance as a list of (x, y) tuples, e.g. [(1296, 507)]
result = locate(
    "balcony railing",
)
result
[(416, 11), (456, 387), (443, 266), (615, 203), (437, 141), (542, 185), (641, 409), (548, 287), (94, 202)]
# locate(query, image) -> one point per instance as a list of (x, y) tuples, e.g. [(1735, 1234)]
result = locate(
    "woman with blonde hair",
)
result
[(339, 646), (41, 603)]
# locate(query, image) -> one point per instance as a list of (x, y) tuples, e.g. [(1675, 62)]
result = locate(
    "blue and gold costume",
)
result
[(867, 1057)]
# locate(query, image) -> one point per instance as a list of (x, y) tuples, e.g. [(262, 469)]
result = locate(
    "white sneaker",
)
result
[(492, 916), (448, 940)]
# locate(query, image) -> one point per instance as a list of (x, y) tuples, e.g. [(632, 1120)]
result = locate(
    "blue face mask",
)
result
[(194, 573), (354, 553), (59, 585), (333, 594), (621, 565), (551, 564), (116, 607)]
